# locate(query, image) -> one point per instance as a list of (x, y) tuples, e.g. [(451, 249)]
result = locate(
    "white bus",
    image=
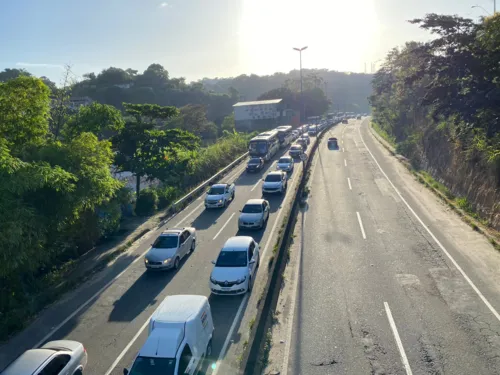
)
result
[(265, 145), (285, 135)]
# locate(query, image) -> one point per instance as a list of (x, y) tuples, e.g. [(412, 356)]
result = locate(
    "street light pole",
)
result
[(301, 96)]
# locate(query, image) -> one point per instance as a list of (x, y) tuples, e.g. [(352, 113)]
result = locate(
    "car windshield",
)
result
[(232, 259), (166, 242), (216, 190), (284, 161), (273, 178), (153, 366), (296, 147), (252, 209), (254, 161)]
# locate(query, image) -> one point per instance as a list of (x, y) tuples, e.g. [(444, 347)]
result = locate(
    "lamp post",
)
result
[(301, 97)]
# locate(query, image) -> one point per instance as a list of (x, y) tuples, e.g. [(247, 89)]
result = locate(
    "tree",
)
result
[(192, 118), (98, 119), (51, 85), (8, 74), (113, 76), (228, 124), (60, 110), (147, 151), (154, 76), (24, 113)]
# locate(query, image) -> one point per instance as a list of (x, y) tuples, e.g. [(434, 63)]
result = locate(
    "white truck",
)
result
[(179, 340), (219, 195)]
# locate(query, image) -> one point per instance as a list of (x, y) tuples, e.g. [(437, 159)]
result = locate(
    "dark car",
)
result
[(333, 143), (255, 164)]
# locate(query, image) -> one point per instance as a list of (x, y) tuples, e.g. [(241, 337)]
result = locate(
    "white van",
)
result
[(180, 337)]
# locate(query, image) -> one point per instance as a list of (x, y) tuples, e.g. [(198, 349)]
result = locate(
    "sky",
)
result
[(211, 38)]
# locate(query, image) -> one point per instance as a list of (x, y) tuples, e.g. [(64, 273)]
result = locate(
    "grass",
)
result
[(266, 349), (388, 138), (251, 324)]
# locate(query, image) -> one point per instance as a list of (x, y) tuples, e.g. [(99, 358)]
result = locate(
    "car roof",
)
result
[(255, 201), (220, 185), (285, 157), (28, 362), (296, 145), (237, 243), (178, 309), (170, 231), (275, 172)]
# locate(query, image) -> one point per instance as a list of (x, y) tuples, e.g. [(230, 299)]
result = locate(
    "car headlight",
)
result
[(220, 200), (146, 261), (166, 261), (242, 280), (213, 280)]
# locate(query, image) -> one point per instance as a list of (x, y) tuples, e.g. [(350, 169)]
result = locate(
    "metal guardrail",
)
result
[(193, 193)]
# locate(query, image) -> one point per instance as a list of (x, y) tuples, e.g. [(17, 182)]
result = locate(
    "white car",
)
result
[(219, 195), (275, 182), (170, 247), (285, 163), (236, 266), (254, 214)]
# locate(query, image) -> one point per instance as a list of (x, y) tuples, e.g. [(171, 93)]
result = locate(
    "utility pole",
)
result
[(365, 68), (301, 91)]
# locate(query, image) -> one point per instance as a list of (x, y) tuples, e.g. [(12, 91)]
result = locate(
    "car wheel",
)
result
[(208, 353), (250, 285), (78, 372), (234, 194), (226, 203), (176, 263), (193, 245)]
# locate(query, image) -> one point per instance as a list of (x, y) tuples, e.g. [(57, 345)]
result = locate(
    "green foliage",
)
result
[(166, 196), (228, 124), (96, 118), (147, 202), (8, 74)]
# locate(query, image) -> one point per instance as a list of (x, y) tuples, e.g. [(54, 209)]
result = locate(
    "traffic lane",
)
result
[(435, 309), (338, 323), (224, 310), (482, 268)]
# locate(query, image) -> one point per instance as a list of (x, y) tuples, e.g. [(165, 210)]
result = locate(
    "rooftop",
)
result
[(238, 243), (258, 102)]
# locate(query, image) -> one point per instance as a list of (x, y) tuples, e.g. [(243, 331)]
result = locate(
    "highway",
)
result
[(379, 293), (109, 314)]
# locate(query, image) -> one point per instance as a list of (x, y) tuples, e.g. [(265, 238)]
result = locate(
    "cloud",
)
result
[(163, 5), (37, 65)]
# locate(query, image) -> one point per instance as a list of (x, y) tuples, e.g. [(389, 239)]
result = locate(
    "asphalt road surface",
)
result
[(112, 325), (376, 293)]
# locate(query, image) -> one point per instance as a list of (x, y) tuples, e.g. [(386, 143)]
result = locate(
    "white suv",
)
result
[(235, 267), (275, 182)]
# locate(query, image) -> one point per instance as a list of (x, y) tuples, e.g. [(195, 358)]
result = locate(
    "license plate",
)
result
[(225, 289)]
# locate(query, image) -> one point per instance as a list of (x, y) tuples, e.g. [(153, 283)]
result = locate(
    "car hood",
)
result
[(229, 273), (214, 197), (271, 184), (159, 255), (250, 217)]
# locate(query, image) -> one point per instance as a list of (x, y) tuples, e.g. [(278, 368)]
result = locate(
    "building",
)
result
[(261, 115)]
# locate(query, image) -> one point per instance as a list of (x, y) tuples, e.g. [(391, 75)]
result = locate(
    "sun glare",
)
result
[(340, 35)]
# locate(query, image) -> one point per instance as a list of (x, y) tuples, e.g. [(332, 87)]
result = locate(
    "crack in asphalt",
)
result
[(325, 363)]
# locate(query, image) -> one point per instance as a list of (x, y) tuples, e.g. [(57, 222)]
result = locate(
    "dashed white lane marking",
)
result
[(401, 349), (345, 163), (256, 184), (225, 225), (473, 286), (361, 225), (349, 182)]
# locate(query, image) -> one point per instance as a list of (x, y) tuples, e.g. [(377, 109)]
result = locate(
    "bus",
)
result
[(284, 135), (265, 145)]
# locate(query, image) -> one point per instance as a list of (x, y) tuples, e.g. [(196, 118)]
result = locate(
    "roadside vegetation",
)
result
[(438, 104), (58, 197)]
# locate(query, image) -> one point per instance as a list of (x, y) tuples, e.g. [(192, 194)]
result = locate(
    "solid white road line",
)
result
[(473, 286), (223, 351), (236, 174), (345, 163), (225, 224), (349, 182), (124, 351), (257, 184), (361, 225), (286, 355), (394, 329)]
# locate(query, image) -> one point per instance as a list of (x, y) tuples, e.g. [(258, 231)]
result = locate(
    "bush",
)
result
[(147, 202), (166, 195)]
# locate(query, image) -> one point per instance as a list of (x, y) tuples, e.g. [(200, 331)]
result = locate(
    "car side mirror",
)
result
[(251, 262), (213, 261), (239, 210), (125, 371)]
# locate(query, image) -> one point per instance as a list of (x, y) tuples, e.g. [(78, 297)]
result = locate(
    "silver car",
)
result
[(285, 163), (63, 357), (170, 247), (254, 214)]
